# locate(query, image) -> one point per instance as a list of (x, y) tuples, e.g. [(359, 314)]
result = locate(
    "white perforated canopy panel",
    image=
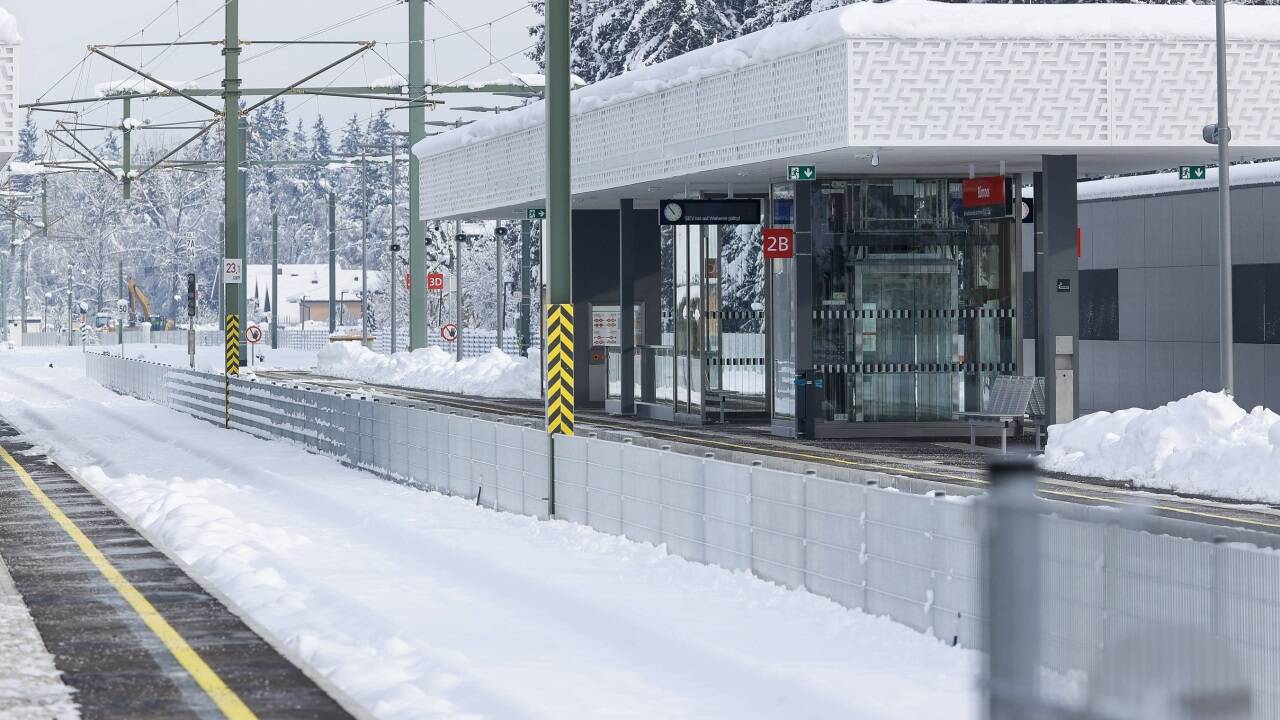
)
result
[(927, 87)]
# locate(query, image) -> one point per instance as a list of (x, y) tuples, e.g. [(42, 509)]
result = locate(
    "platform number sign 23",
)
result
[(779, 243), (232, 270)]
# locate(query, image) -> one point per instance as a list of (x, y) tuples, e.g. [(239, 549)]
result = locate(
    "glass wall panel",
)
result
[(782, 308), (913, 305)]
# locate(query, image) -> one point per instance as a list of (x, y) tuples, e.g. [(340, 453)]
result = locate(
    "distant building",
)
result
[(304, 293)]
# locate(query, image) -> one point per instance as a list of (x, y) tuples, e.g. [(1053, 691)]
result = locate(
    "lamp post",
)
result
[(1223, 138)]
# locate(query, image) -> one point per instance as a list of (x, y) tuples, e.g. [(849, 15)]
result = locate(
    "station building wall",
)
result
[(1149, 297)]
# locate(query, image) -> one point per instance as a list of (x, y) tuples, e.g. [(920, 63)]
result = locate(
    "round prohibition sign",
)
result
[(449, 332), (253, 334)]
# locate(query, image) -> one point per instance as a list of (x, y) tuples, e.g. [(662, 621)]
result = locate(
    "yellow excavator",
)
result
[(140, 308)]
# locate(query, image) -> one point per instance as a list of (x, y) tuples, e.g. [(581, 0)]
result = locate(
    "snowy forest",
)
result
[(172, 223)]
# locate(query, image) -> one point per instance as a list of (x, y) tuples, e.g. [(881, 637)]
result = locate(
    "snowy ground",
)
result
[(494, 374), (1203, 444), (421, 605), (30, 685)]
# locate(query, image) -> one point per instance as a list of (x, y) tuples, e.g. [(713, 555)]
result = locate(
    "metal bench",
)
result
[(1015, 400)]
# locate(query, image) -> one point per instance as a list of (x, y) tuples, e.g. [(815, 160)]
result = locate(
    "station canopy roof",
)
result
[(908, 87)]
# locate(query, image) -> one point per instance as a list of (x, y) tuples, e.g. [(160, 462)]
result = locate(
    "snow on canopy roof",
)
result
[(9, 29), (896, 19), (1168, 182)]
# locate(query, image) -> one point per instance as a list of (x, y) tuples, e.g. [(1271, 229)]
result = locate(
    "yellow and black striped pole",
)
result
[(560, 369), (233, 360)]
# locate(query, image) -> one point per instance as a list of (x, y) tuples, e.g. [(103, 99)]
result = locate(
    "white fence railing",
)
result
[(915, 558)]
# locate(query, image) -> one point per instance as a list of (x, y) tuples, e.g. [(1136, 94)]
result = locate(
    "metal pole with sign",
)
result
[(458, 239), (499, 236), (395, 244), (526, 270)]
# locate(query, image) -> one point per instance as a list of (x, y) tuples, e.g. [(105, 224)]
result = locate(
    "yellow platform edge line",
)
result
[(224, 697)]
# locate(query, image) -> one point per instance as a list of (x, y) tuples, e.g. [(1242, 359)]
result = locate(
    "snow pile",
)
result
[(9, 29), (494, 374), (1203, 444), (138, 85), (904, 19)]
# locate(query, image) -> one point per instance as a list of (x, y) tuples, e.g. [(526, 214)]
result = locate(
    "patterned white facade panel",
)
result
[(790, 106), (8, 98), (1056, 93), (975, 92), (1025, 95)]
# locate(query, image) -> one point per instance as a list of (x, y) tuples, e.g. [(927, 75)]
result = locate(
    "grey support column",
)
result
[(1057, 287), (806, 392), (626, 303)]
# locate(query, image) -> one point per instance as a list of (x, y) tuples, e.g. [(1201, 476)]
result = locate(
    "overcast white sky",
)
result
[(56, 32)]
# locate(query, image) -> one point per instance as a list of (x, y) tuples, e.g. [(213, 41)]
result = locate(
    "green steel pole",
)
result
[(526, 268), (364, 248), (234, 246), (125, 159), (222, 293), (559, 240), (395, 238), (333, 264), (560, 400), (275, 277), (417, 131)]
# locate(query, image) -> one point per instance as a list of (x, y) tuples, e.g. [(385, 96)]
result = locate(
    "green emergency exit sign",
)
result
[(802, 172), (536, 214), (1191, 172)]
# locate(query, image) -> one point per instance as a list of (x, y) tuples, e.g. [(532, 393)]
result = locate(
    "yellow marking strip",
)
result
[(224, 697)]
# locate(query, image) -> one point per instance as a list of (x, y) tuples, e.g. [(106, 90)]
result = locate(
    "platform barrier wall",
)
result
[(915, 558)]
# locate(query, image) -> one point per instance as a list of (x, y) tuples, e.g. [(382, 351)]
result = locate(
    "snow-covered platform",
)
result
[(131, 633), (904, 87)]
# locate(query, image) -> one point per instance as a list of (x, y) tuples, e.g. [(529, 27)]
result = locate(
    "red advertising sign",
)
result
[(983, 197), (779, 243)]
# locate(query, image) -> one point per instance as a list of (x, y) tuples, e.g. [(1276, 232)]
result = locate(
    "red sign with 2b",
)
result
[(779, 243)]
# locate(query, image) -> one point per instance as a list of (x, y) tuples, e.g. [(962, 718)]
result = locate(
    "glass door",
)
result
[(905, 342)]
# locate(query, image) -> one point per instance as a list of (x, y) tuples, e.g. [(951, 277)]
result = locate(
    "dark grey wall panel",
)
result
[(1129, 233), (1271, 224), (1248, 303), (1099, 308), (1246, 225), (1187, 234), (1271, 313), (1158, 231)]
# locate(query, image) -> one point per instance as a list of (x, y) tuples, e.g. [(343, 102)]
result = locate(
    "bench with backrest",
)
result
[(1014, 401)]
